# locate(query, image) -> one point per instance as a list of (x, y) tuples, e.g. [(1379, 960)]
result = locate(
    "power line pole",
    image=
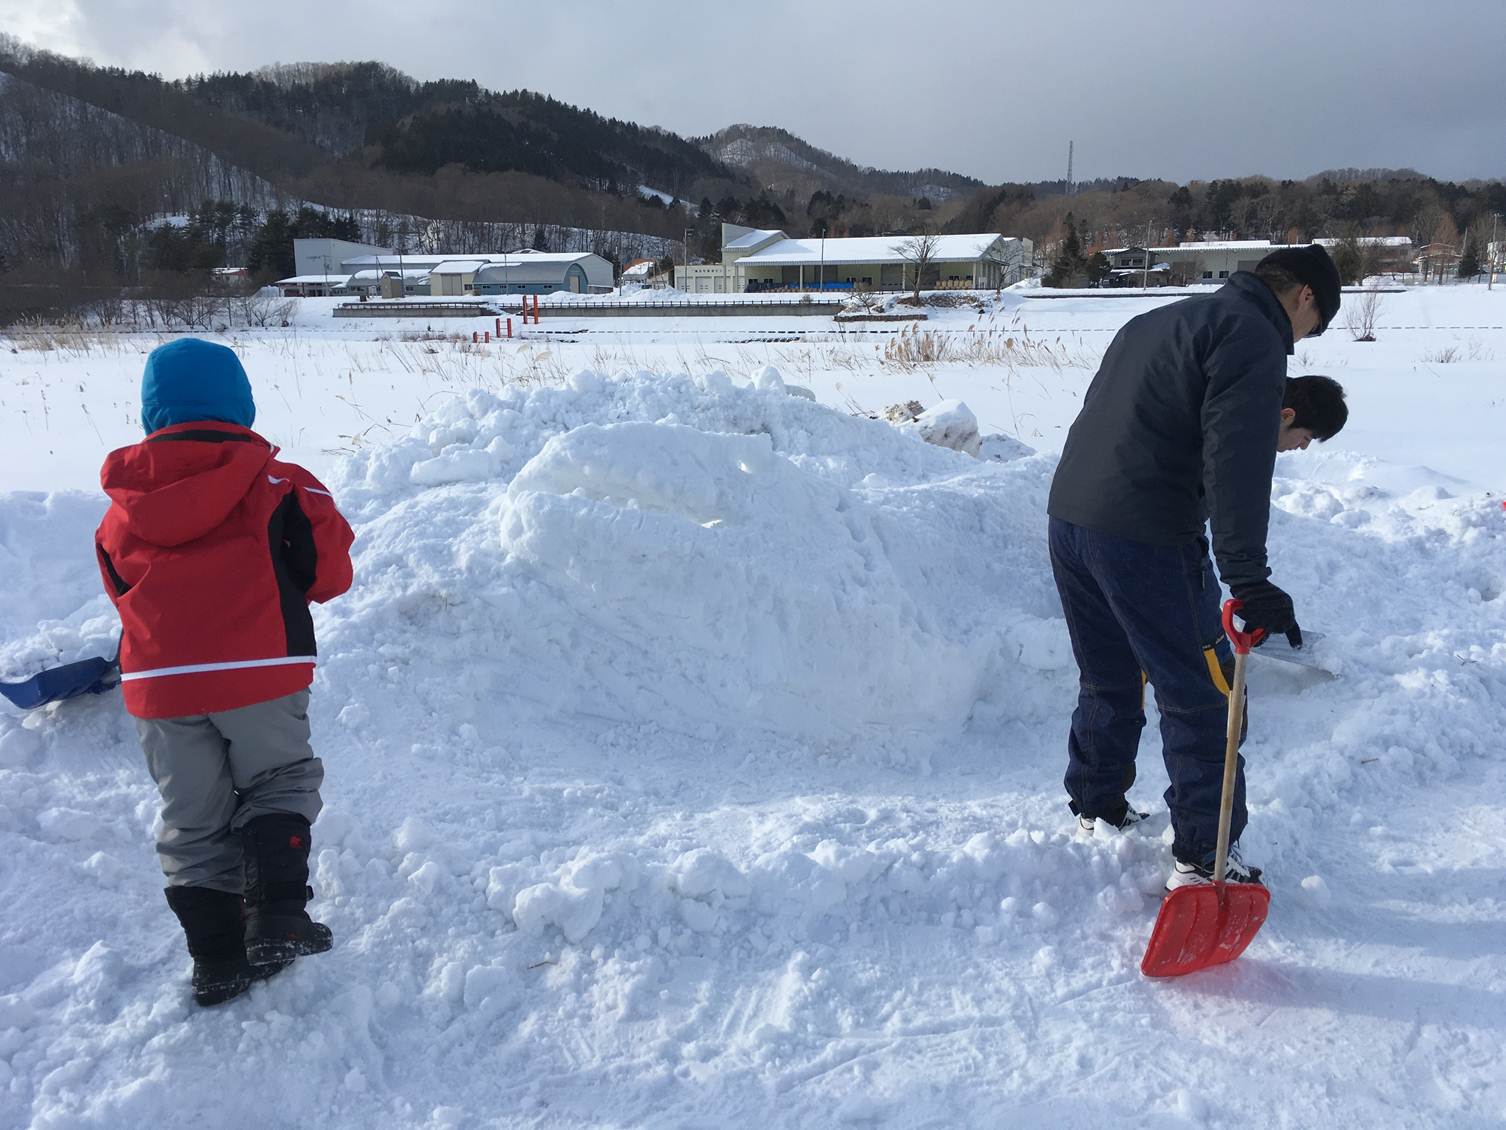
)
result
[(1069, 167), (1493, 252), (1145, 273)]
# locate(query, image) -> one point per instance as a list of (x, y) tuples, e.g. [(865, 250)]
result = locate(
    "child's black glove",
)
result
[(1268, 607)]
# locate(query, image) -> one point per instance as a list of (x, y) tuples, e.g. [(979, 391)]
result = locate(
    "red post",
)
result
[(499, 327), (535, 309), (509, 327), (488, 337), (474, 337)]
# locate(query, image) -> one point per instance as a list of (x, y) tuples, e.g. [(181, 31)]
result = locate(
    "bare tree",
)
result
[(917, 251), (1360, 314), (261, 309), (864, 295)]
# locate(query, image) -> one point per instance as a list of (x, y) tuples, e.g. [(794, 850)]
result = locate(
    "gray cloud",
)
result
[(1173, 88)]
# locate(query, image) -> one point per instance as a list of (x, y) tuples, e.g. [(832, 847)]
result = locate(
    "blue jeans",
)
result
[(1138, 612)]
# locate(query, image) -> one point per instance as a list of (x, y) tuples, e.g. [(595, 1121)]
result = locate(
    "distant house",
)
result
[(755, 259), (1135, 266), (1215, 260), (454, 276), (1388, 254), (1126, 258), (315, 286), (1212, 260), (1437, 260)]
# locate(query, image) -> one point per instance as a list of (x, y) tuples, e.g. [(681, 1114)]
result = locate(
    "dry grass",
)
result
[(919, 348), (70, 341)]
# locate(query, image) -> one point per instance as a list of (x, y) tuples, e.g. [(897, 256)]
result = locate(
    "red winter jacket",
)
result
[(211, 551)]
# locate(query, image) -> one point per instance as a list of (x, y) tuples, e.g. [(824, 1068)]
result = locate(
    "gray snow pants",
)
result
[(218, 771)]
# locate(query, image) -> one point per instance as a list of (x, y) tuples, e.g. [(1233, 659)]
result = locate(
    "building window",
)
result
[(1207, 274), (1223, 274)]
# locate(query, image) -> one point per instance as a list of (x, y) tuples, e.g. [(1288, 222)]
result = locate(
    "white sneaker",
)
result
[(1131, 818), (1236, 870)]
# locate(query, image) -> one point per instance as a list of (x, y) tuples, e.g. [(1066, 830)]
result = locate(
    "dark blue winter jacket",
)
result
[(1180, 426)]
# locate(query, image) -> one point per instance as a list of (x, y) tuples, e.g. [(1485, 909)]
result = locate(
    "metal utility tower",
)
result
[(1069, 168)]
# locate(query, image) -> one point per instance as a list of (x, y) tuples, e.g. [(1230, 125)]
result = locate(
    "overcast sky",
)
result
[(1180, 89)]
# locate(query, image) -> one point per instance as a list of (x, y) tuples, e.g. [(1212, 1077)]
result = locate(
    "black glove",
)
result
[(1268, 607)]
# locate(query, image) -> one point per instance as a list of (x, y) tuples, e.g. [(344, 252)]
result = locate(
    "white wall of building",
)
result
[(325, 256)]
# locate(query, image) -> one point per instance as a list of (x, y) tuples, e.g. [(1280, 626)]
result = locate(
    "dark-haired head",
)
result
[(1317, 406)]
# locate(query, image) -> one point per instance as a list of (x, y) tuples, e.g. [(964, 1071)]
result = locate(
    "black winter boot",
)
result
[(278, 927), (212, 923)]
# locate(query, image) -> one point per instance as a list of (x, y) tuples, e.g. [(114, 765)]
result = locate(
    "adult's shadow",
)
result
[(1404, 1000), (1420, 924)]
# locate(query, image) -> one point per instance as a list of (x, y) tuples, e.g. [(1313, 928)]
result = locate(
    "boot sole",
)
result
[(226, 991), (281, 951), (220, 994)]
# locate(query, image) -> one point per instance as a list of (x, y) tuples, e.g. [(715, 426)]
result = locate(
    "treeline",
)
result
[(1339, 203), (219, 233)]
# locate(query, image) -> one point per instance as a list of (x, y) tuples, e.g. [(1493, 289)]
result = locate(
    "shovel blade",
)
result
[(1204, 925), (87, 676)]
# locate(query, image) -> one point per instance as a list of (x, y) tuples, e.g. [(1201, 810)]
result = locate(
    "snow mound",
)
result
[(699, 555), (694, 754)]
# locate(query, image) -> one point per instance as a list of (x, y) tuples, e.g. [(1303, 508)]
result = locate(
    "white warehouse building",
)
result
[(354, 268), (755, 259)]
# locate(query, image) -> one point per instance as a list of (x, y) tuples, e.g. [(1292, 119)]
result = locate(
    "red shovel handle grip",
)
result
[(1242, 641)]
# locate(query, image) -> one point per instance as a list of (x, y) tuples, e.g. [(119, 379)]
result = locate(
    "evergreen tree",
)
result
[(1349, 258), (1098, 268), (1070, 267), (271, 251)]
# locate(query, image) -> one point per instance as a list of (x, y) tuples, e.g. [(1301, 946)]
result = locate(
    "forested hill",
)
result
[(286, 121), (782, 162), (395, 122)]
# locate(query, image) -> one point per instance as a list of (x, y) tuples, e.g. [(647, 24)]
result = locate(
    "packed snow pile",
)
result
[(46, 571), (694, 758), (699, 555)]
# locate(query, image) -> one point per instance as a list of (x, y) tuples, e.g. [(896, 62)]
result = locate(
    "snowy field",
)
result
[(694, 749)]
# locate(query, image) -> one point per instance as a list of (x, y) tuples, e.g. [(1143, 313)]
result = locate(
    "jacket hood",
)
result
[(181, 482), (190, 379)]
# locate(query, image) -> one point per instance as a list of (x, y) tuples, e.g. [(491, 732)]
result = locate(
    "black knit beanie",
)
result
[(1314, 267)]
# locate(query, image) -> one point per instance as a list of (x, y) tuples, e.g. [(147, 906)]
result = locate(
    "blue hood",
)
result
[(192, 379)]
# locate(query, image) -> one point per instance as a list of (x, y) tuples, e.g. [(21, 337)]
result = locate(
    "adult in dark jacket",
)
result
[(1180, 425)]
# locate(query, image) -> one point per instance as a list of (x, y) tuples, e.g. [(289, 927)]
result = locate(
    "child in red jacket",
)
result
[(211, 551)]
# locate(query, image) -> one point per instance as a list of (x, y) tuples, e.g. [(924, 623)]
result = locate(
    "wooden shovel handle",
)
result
[(1231, 764), (1243, 642)]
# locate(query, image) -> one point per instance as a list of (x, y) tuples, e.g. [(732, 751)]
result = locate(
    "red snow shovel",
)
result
[(1209, 924)]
